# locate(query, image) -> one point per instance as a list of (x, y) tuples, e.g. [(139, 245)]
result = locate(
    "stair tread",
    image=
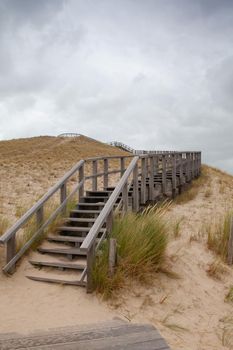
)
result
[(67, 251), (75, 229), (85, 211), (80, 219), (58, 264), (56, 280), (61, 238)]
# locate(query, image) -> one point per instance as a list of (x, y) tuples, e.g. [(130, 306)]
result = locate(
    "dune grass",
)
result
[(194, 188), (4, 224), (218, 235), (141, 243)]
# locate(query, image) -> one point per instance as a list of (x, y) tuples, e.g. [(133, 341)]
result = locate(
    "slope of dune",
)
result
[(190, 311), (28, 167)]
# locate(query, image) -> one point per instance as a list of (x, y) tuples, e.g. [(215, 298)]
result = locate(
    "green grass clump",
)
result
[(141, 244), (218, 236)]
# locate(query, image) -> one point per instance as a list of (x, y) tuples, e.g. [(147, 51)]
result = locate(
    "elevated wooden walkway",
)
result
[(113, 335), (68, 256)]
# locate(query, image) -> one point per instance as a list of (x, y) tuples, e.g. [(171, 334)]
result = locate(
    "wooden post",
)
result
[(156, 165), (112, 258), (143, 181), (173, 175), (122, 165), (94, 173), (90, 262), (63, 194), (135, 189), (151, 178), (193, 165), (230, 244), (125, 198), (81, 178), (10, 252), (164, 174), (109, 222), (188, 167), (105, 173), (40, 216)]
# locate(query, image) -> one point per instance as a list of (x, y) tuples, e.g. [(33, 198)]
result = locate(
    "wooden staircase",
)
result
[(60, 253), (67, 257)]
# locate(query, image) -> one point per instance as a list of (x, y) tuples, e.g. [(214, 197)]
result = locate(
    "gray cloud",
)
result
[(153, 74)]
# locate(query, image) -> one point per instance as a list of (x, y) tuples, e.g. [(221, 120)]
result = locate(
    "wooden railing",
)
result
[(9, 237), (187, 164), (183, 166)]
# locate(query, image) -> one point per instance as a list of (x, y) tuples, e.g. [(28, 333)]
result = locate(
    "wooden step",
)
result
[(75, 229), (86, 213), (88, 220), (94, 199), (100, 204), (56, 264), (98, 193), (62, 251), (62, 238), (57, 280)]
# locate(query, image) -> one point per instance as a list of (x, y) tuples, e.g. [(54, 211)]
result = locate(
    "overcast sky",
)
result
[(154, 74)]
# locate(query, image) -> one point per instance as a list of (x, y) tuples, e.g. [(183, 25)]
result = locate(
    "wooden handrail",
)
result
[(92, 234), (11, 232)]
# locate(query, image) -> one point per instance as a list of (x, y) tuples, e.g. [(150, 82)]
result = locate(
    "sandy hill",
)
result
[(190, 311), (28, 167)]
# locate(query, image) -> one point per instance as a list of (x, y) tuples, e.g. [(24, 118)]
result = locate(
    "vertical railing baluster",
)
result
[(94, 174), (143, 180), (125, 198), (105, 173), (90, 262), (174, 175), (11, 251), (164, 174), (63, 194), (151, 178), (122, 165), (80, 179), (135, 189)]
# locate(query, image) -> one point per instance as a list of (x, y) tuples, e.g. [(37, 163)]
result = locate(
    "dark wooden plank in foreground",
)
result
[(113, 335)]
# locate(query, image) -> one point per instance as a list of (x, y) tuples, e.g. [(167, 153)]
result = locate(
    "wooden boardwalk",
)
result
[(113, 335)]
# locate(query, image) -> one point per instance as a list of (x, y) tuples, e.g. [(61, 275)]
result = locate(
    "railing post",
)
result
[(156, 165), (90, 262), (135, 189), (105, 173), (81, 178), (94, 174), (173, 175), (10, 252), (63, 195), (181, 170), (109, 222), (164, 174), (188, 169), (143, 181), (151, 178), (122, 165), (125, 198)]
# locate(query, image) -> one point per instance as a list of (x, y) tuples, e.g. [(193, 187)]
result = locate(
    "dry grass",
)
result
[(4, 224), (216, 269), (218, 235), (229, 296), (141, 244), (194, 188)]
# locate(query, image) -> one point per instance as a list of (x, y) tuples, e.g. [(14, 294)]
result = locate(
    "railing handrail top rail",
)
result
[(88, 241), (13, 229)]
